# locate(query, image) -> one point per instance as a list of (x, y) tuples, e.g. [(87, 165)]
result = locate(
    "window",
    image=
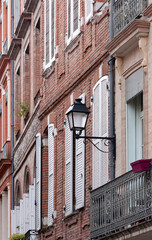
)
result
[(134, 117), (100, 128), (49, 32), (51, 173), (134, 129), (88, 10), (74, 170), (73, 18), (17, 12), (17, 202), (26, 181)]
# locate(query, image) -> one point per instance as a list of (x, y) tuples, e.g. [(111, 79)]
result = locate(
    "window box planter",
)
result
[(140, 165)]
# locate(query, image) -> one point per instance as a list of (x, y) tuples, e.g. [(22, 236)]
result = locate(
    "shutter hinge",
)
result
[(35, 203), (91, 99)]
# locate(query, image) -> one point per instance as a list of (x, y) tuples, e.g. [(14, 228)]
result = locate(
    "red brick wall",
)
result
[(76, 71)]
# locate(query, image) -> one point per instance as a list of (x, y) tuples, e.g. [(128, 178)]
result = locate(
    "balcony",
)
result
[(121, 204), (125, 11)]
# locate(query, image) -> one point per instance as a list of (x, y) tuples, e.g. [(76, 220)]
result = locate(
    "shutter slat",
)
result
[(51, 174)]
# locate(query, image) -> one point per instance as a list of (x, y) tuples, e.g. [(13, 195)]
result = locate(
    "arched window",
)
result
[(18, 193), (26, 180)]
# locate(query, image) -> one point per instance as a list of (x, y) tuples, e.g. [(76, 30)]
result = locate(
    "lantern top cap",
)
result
[(78, 106)]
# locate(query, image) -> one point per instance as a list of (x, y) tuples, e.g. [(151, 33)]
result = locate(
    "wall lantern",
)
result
[(77, 118)]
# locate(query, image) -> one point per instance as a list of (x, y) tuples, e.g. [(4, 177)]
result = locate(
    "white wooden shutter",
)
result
[(88, 9), (38, 182), (26, 211), (21, 216), (68, 169), (51, 173), (80, 168), (17, 219), (100, 128), (32, 206), (47, 31), (12, 222)]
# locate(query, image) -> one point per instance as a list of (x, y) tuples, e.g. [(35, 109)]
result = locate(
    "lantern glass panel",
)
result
[(79, 120)]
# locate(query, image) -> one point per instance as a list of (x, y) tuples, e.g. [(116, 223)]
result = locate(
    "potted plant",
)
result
[(140, 165)]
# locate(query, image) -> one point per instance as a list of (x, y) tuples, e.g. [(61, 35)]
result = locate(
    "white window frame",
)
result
[(51, 59), (73, 33)]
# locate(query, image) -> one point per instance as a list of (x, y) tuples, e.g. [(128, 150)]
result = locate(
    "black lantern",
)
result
[(78, 116)]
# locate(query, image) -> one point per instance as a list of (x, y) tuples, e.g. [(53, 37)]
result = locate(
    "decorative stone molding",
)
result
[(118, 65), (143, 46)]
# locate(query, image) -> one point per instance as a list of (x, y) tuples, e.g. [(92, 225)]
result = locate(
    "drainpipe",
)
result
[(12, 111), (112, 105)]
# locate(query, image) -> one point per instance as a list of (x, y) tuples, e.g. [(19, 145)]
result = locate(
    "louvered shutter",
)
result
[(32, 206), (68, 169), (88, 9), (75, 15), (104, 129), (17, 217), (21, 216), (12, 222), (100, 128), (51, 173), (52, 27), (47, 31), (69, 18), (26, 211), (38, 182), (79, 168)]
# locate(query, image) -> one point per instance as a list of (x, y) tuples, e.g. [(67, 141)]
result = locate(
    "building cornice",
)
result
[(31, 5), (14, 48), (23, 24), (148, 11)]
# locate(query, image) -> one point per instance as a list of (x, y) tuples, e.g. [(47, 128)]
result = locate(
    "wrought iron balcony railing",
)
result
[(5, 47), (120, 204), (125, 11)]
